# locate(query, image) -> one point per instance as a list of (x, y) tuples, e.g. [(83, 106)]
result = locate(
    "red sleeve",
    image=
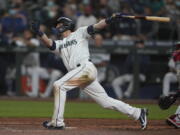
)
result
[(176, 56)]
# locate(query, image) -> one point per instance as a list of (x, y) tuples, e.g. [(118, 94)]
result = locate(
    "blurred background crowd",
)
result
[(15, 16)]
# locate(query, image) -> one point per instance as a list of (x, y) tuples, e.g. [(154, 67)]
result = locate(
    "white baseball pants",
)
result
[(168, 79), (85, 76)]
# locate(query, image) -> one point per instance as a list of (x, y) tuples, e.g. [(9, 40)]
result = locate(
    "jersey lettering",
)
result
[(68, 43), (74, 48)]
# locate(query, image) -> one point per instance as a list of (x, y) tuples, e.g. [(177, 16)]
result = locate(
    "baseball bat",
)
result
[(150, 18)]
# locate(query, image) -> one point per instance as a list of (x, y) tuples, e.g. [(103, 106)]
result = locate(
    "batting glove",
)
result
[(35, 27), (115, 17)]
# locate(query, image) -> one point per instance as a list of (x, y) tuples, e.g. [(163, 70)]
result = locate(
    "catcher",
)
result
[(166, 101)]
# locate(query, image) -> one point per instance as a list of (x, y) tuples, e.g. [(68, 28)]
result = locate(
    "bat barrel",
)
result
[(156, 18), (150, 18)]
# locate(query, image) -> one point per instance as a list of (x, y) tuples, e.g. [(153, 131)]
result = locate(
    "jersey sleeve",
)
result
[(83, 32), (57, 46)]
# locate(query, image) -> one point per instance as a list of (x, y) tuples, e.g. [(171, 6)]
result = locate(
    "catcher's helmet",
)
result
[(176, 52), (177, 45), (67, 24)]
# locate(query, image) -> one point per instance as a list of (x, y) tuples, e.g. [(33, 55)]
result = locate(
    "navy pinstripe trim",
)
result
[(63, 84), (66, 58), (58, 109), (68, 55)]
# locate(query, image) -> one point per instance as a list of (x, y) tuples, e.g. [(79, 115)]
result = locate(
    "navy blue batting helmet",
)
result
[(67, 24)]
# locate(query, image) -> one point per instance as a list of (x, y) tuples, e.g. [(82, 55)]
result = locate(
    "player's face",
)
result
[(59, 25), (62, 34)]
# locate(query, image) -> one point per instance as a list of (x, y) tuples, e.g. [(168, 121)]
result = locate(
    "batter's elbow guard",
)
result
[(91, 30)]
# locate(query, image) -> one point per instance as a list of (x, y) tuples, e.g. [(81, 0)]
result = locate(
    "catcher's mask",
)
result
[(177, 45), (63, 24), (176, 54)]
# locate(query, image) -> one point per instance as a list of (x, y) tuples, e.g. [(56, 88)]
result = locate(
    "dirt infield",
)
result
[(32, 126)]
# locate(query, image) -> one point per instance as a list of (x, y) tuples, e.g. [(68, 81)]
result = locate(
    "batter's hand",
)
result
[(116, 17), (119, 15), (35, 27)]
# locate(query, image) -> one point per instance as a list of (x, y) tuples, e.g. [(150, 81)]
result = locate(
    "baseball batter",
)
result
[(73, 49)]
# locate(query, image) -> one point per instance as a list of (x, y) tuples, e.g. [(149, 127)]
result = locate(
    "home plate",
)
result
[(69, 128)]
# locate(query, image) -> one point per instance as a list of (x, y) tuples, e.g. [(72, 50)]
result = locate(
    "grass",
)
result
[(73, 110)]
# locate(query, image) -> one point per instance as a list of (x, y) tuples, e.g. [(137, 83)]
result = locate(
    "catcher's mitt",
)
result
[(166, 101)]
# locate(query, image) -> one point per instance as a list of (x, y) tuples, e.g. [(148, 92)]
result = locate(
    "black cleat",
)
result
[(143, 118), (48, 125)]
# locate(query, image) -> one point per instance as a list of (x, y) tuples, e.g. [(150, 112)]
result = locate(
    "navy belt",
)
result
[(78, 65)]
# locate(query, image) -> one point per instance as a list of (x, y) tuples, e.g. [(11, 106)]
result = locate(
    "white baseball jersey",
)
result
[(74, 51), (74, 48)]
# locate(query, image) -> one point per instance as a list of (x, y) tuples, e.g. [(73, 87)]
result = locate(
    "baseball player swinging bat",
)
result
[(150, 18), (72, 47)]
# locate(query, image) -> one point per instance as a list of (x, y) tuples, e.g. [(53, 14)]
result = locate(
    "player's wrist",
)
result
[(39, 33), (115, 17), (109, 20)]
